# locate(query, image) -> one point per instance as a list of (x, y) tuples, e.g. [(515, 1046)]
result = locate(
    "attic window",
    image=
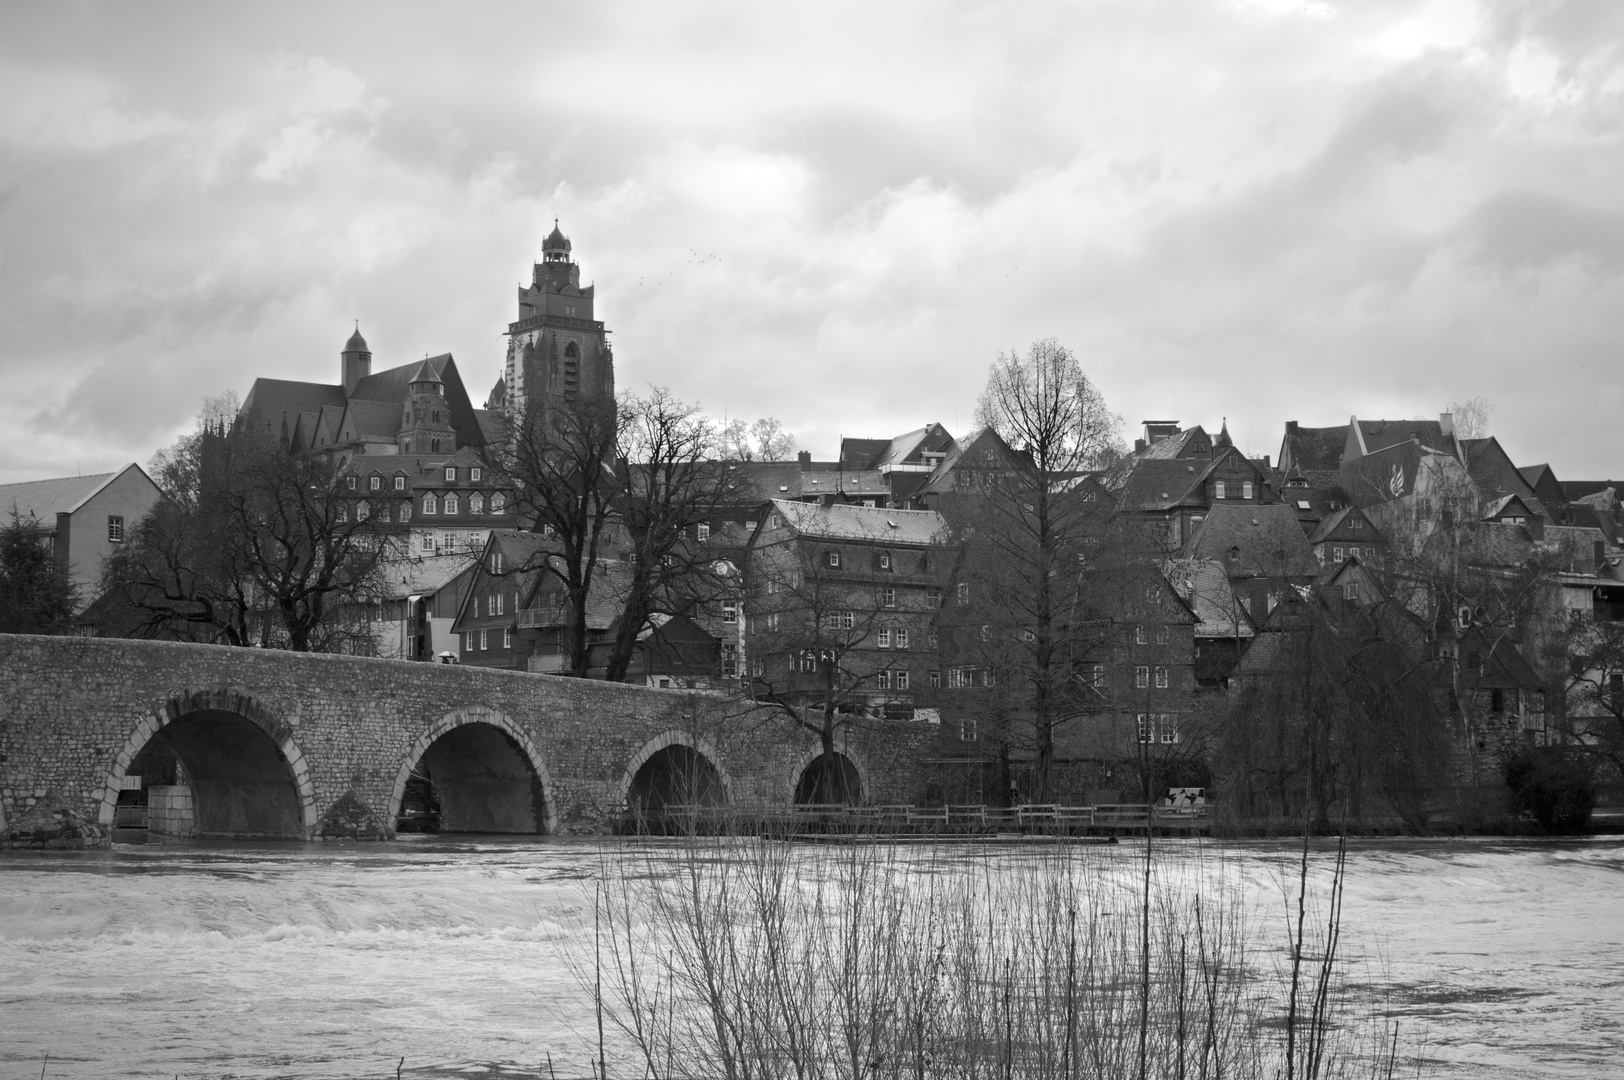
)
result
[(1303, 504), (831, 558), (400, 483)]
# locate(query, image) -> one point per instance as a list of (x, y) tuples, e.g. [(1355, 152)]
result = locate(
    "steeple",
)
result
[(355, 362), (1223, 438)]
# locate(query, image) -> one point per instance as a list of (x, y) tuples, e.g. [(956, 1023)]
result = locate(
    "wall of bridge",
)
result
[(75, 712)]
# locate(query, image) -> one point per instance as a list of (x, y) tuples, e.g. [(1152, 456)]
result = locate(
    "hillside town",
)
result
[(1081, 622)]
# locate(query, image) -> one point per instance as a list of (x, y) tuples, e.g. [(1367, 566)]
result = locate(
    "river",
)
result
[(338, 961)]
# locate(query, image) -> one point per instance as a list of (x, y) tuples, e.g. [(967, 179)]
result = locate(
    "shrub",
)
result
[(1554, 785)]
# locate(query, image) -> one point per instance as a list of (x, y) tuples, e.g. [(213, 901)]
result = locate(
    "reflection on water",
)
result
[(260, 960)]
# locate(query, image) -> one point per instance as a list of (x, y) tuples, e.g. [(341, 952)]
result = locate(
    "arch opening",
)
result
[(673, 785), (211, 773), (474, 778), (829, 779)]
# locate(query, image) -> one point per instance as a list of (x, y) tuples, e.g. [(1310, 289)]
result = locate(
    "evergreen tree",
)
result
[(36, 596)]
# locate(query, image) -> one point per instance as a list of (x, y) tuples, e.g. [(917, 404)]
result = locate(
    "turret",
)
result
[(426, 427), (355, 362)]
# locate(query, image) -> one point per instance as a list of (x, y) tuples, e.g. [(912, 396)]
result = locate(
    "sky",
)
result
[(833, 214)]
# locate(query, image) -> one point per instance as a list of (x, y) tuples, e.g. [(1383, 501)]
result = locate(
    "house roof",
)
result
[(492, 424), (1317, 452), (1175, 445), (422, 576), (1380, 434), (861, 453), (1204, 586), (393, 385), (1160, 483), (865, 523), (1269, 539), (44, 499)]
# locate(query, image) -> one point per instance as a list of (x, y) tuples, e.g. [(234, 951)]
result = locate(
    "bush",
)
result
[(1554, 785)]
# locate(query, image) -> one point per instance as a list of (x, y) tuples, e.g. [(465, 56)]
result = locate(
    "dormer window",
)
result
[(476, 503), (374, 483), (474, 474), (831, 558), (498, 503), (882, 560), (431, 505), (450, 474), (400, 483), (450, 504), (349, 482)]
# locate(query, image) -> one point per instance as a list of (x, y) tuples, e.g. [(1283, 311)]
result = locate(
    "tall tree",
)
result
[(561, 461), (1040, 541), (36, 594), (669, 484)]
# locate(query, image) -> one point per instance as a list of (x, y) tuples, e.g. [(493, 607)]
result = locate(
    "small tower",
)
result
[(1223, 440), (355, 362), (426, 426)]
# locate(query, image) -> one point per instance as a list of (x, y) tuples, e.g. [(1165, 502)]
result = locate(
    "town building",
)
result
[(85, 519)]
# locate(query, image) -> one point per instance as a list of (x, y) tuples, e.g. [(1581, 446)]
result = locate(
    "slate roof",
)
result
[(1380, 434), (45, 499), (861, 453), (269, 399), (1173, 445), (374, 418), (1159, 484), (877, 525), (1204, 586), (493, 425), (393, 386), (1317, 452), (422, 575), (1268, 537)]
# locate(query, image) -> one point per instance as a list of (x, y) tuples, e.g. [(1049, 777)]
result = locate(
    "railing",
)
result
[(539, 618), (905, 819), (568, 322)]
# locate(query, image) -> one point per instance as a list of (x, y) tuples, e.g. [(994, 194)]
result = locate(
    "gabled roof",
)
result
[(1204, 586), (1317, 452), (1380, 434), (1508, 504), (44, 499), (393, 386), (1268, 538), (983, 449), (269, 399), (376, 418), (1159, 484), (1543, 482), (861, 453), (1337, 518), (422, 575), (864, 523), (1175, 446), (493, 425)]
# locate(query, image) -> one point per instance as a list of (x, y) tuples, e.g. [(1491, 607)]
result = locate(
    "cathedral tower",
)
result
[(355, 362), (426, 426), (558, 354)]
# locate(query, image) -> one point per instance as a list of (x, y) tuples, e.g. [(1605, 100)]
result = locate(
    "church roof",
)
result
[(357, 343), (556, 240), (425, 373)]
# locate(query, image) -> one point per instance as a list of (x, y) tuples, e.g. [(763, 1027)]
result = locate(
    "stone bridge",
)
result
[(242, 743)]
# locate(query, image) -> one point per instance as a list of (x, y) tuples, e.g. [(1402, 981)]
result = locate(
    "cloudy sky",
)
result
[(835, 215)]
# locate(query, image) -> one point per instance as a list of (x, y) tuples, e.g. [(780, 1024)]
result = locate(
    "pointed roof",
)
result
[(1266, 537), (357, 343), (1223, 435), (425, 373), (555, 240)]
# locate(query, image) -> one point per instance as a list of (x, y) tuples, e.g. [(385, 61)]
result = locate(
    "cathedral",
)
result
[(414, 449), (558, 353)]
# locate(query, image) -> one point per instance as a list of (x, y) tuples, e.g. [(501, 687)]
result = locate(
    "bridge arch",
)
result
[(845, 782), (249, 778), (675, 767), (484, 759)]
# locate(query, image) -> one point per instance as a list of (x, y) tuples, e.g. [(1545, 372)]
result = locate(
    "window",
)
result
[(507, 638), (1161, 635), (450, 504), (888, 596), (1246, 489), (400, 483), (834, 620), (498, 503), (902, 639), (468, 642), (967, 729), (1336, 554), (448, 541), (1370, 553), (931, 638), (434, 446), (475, 473), (450, 474), (882, 560), (831, 558), (1538, 704), (702, 532), (1139, 636), (1096, 676), (882, 680), (884, 639), (115, 528), (1161, 677), (1356, 523), (383, 511), (363, 510), (730, 611), (495, 605), (1350, 590), (1028, 636), (1497, 701), (964, 593), (933, 596), (758, 667), (1141, 676), (1217, 493), (730, 660), (476, 503), (349, 482), (484, 639), (1147, 728), (374, 483), (934, 680), (343, 513), (431, 505), (405, 512), (1169, 725), (426, 542), (900, 678)]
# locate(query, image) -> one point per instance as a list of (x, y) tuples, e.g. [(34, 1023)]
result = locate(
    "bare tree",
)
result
[(1038, 538), (561, 464), (764, 440), (1471, 417), (670, 482)]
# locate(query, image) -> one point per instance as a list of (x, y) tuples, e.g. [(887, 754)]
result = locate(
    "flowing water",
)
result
[(324, 961)]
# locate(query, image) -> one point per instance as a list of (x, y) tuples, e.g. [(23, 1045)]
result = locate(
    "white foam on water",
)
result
[(314, 961)]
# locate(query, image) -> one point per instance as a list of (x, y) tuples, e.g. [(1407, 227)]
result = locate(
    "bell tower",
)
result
[(355, 362), (558, 353), (426, 426)]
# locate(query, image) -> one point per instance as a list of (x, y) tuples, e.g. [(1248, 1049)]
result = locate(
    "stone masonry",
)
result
[(75, 713)]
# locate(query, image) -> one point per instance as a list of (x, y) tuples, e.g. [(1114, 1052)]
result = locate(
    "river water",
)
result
[(327, 961)]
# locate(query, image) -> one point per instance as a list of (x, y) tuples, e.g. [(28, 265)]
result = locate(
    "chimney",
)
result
[(1138, 445), (1536, 528), (1291, 427), (1446, 423), (804, 458), (1600, 548)]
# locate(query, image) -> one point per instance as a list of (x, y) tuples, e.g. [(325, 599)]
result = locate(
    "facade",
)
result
[(841, 606), (84, 518)]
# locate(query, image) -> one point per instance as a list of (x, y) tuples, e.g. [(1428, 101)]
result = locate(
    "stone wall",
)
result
[(74, 712)]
